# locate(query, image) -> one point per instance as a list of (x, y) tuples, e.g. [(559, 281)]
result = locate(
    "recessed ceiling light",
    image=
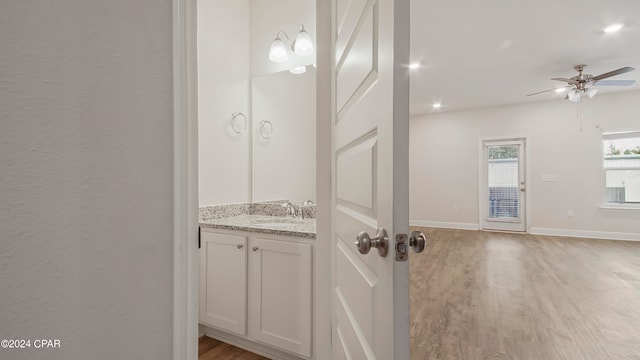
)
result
[(613, 28), (437, 105), (561, 90), (414, 65)]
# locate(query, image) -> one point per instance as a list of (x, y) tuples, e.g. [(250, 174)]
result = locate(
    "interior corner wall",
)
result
[(223, 88), (269, 17), (444, 162)]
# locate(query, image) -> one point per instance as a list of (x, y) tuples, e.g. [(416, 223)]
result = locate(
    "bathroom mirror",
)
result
[(283, 164)]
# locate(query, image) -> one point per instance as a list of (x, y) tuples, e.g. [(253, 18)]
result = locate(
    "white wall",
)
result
[(269, 17), (444, 162), (223, 88), (86, 178), (284, 166)]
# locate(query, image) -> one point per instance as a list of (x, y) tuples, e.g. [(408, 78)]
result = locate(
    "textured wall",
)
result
[(86, 178), (444, 161)]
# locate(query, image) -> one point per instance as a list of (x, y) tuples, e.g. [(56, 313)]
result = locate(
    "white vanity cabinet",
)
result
[(259, 287), (280, 294), (223, 281)]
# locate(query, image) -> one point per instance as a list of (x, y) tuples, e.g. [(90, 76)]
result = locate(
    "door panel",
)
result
[(223, 265), (280, 299), (370, 177)]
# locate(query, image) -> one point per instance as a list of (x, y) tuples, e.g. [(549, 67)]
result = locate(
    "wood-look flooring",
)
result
[(486, 295), (212, 349)]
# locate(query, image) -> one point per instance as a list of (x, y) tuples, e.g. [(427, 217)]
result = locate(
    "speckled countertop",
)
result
[(264, 218), (275, 225)]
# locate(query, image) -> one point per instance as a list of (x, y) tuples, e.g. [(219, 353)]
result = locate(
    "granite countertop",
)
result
[(264, 218), (275, 225)]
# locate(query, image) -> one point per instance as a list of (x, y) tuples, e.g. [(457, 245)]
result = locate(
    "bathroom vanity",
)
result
[(256, 279)]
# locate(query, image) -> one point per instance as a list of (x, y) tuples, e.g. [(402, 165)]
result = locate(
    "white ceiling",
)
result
[(484, 53)]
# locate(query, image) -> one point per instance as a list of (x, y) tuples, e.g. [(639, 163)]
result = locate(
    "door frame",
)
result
[(185, 182), (482, 192)]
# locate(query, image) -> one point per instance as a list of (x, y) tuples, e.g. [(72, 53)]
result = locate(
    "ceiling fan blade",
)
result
[(622, 70), (614, 83), (544, 91), (570, 81)]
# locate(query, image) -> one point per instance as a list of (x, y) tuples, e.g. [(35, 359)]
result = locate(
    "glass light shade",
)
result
[(591, 93), (278, 52), (298, 70), (303, 46), (574, 95)]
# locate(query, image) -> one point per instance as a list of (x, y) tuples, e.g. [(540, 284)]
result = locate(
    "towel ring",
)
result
[(238, 122), (266, 129)]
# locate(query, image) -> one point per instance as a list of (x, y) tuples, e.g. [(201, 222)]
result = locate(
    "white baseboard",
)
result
[(445, 225), (607, 235)]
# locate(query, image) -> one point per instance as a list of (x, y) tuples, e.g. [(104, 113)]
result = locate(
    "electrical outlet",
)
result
[(455, 207), (570, 213)]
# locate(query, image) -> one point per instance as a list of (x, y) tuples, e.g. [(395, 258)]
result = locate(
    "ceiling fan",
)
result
[(578, 85)]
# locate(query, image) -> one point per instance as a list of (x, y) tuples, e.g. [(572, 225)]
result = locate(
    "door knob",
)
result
[(417, 241), (364, 242)]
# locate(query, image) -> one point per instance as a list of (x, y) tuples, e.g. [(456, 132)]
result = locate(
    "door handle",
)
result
[(364, 242), (417, 241)]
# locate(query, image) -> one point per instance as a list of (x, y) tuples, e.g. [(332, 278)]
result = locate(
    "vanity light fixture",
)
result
[(301, 46)]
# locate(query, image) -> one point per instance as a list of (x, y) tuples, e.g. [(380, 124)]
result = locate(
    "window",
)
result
[(622, 168)]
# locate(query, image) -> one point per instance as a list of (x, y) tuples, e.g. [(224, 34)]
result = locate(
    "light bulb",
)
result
[(278, 52), (591, 93), (303, 46), (574, 95)]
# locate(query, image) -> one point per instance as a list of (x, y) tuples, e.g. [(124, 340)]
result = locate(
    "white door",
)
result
[(370, 133), (503, 185)]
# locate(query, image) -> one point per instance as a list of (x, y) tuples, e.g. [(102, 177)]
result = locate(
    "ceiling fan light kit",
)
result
[(579, 84)]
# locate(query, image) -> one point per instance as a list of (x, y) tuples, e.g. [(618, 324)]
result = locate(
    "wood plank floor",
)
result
[(482, 295), (210, 349)]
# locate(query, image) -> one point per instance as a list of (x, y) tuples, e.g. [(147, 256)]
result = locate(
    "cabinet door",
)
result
[(223, 281), (280, 294)]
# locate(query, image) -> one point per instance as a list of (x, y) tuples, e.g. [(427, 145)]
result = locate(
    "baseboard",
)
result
[(606, 235), (445, 225)]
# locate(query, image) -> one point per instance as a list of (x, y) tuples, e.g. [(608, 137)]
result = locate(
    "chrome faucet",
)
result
[(293, 210)]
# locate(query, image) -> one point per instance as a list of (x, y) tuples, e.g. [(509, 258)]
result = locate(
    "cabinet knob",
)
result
[(255, 248), (239, 246)]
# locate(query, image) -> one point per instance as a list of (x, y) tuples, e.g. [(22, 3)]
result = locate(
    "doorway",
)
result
[(503, 185)]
